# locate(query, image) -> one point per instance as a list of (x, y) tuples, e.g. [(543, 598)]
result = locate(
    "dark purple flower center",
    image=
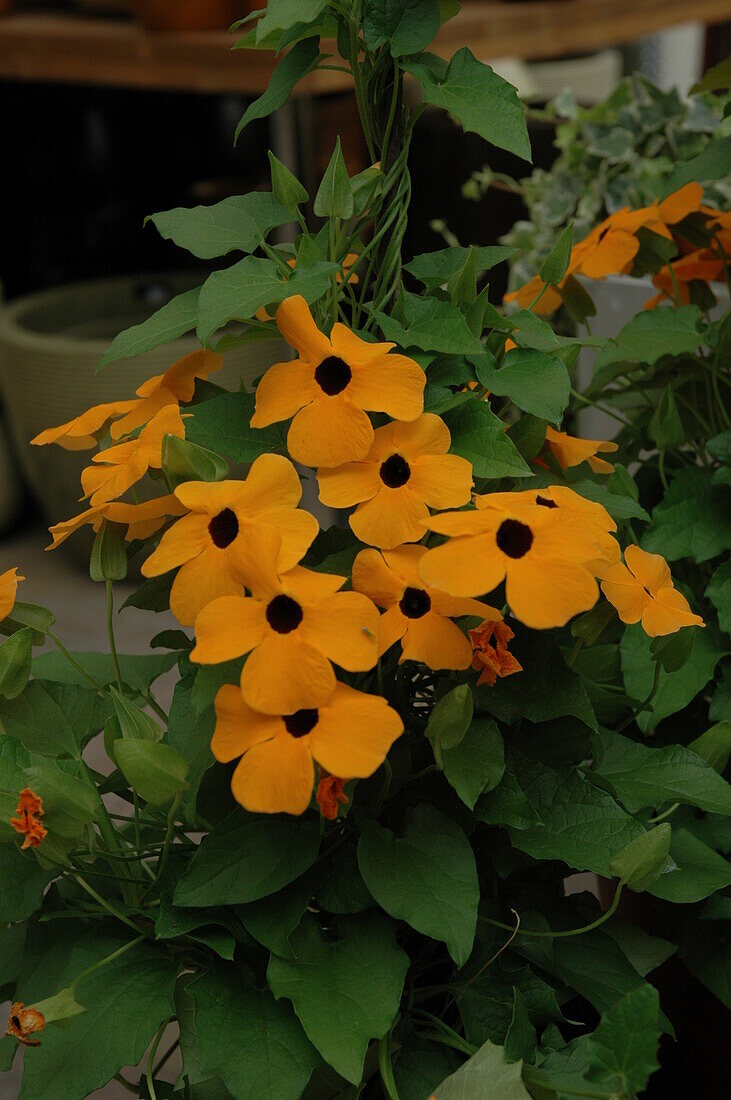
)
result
[(283, 614), (395, 472), (301, 722), (333, 375), (224, 528), (514, 538), (414, 603)]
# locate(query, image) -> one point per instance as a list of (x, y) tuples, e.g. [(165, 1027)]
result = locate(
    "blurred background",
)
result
[(115, 109)]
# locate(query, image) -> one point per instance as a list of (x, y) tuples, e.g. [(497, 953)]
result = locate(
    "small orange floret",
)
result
[(24, 1022), (490, 652), (28, 819), (330, 795)]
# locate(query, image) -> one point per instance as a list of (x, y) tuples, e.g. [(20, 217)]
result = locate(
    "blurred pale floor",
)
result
[(62, 585)]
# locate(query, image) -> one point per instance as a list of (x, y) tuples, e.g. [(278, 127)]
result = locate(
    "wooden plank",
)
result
[(72, 49)]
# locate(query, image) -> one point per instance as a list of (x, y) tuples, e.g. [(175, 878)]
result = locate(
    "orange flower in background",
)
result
[(418, 616), (720, 226), (80, 434), (176, 384), (9, 581), (546, 558), (292, 626), (490, 653), (348, 735), (703, 265), (205, 544), (406, 471), (119, 468), (142, 519), (526, 295), (642, 590), (330, 386), (330, 795), (28, 818), (24, 1022), (570, 450)]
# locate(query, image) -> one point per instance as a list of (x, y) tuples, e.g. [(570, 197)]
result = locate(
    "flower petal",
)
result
[(544, 593), (345, 628), (271, 483), (210, 497), (201, 580), (625, 593), (373, 576), (667, 613), (354, 733), (329, 432), (651, 570), (391, 628), (184, 540), (226, 628), (393, 516), (284, 674), (356, 352), (238, 727), (275, 777), (427, 435), (437, 642), (442, 481), (297, 326), (283, 389), (392, 384), (343, 486), (464, 567)]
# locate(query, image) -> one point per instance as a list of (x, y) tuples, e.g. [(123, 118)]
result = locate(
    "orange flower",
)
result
[(348, 734), (490, 652), (330, 795), (570, 450), (176, 384), (703, 265), (8, 591), (546, 558), (120, 467), (81, 433), (24, 1022), (142, 519), (292, 626), (223, 515), (419, 616), (406, 470), (643, 590), (28, 820), (329, 387)]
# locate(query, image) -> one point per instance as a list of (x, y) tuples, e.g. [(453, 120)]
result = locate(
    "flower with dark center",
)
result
[(414, 603), (284, 614), (333, 375), (641, 589), (224, 528), (514, 538), (395, 471)]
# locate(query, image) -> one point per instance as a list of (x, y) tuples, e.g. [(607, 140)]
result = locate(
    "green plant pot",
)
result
[(50, 343)]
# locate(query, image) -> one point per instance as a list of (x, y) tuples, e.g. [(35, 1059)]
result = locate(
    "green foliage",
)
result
[(537, 383), (489, 1068), (236, 224), (405, 26), (157, 772), (223, 422), (641, 862), (174, 319)]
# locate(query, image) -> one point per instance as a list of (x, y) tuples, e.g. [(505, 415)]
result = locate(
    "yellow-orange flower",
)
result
[(142, 520), (406, 471), (703, 265), (28, 818), (9, 581), (642, 590), (417, 615), (206, 543), (119, 468), (348, 734), (24, 1022), (292, 626), (330, 386), (176, 384), (330, 795), (490, 653), (570, 450), (546, 557), (80, 434)]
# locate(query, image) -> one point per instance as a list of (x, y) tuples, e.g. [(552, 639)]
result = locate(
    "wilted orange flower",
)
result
[(643, 590), (546, 558), (206, 543), (8, 591), (406, 471), (24, 1022), (330, 795), (142, 519), (81, 433), (703, 265), (292, 626), (118, 468), (490, 653), (570, 450), (176, 384), (417, 615), (28, 819), (348, 735), (329, 387)]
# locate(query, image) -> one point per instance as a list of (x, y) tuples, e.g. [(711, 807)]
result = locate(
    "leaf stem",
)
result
[(110, 632), (561, 935)]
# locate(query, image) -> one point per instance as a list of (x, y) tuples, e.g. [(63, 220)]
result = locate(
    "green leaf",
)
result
[(578, 302), (12, 944), (692, 521), (420, 1069), (248, 857), (60, 1008), (176, 317), (450, 719), (477, 98), (641, 776), (39, 619), (272, 920), (537, 383), (286, 188), (405, 26), (24, 882), (282, 15), (477, 763), (645, 952), (237, 292), (109, 553), (156, 771), (487, 997), (16, 655), (239, 223), (672, 651), (479, 436), (714, 746), (69, 803), (652, 334), (138, 671), (126, 1000), (719, 593), (666, 426), (183, 460), (273, 1055), (224, 423), (345, 991), (190, 733), (54, 719), (624, 1046), (334, 199), (435, 269), (134, 723), (507, 805), (486, 1073), (343, 890), (520, 1040), (581, 825), (716, 79), (301, 60), (641, 861), (699, 871), (430, 325), (711, 164), (426, 877), (556, 263)]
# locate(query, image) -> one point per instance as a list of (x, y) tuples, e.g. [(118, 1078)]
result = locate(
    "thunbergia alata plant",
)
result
[(337, 866)]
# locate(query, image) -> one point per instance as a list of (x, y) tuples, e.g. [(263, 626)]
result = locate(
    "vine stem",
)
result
[(149, 1075), (105, 904), (74, 663), (385, 1066), (110, 632), (569, 932), (103, 962)]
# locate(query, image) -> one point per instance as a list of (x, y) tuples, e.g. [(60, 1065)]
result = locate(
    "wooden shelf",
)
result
[(77, 50)]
